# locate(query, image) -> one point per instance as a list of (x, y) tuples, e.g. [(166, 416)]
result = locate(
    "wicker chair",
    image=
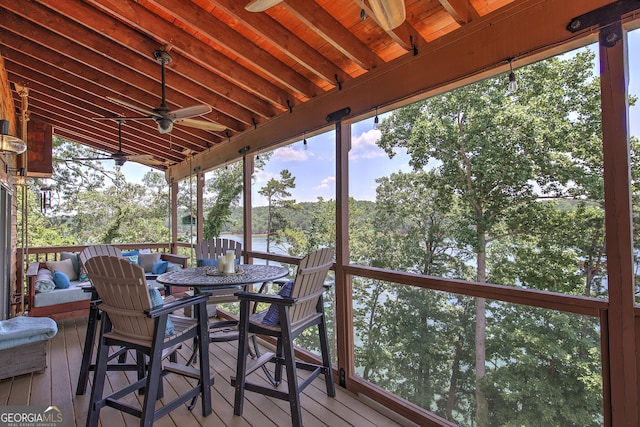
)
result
[(130, 321), (296, 313)]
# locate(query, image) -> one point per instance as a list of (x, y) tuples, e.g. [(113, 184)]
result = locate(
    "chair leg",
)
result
[(154, 379), (277, 369), (292, 378), (241, 367), (87, 351), (99, 375), (205, 375), (326, 358)]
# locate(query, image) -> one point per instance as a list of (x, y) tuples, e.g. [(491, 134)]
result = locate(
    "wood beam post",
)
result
[(199, 206), (614, 80), (343, 290), (248, 165), (174, 216)]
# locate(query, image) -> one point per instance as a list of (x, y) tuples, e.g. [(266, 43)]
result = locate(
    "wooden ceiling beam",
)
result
[(62, 79), (334, 33), (461, 10), (114, 30), (39, 84), (530, 32), (91, 40), (202, 23), (282, 39), (103, 133), (101, 80), (64, 102), (137, 142), (196, 50)]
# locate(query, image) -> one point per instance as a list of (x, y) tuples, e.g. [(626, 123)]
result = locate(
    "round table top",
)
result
[(247, 274)]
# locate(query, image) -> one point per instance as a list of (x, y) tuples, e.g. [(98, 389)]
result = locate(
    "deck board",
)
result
[(57, 386)]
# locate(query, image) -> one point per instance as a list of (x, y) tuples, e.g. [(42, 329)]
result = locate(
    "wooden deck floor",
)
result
[(57, 385)]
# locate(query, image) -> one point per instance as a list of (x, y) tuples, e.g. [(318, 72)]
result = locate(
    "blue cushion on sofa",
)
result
[(61, 280), (160, 267), (157, 301), (273, 314)]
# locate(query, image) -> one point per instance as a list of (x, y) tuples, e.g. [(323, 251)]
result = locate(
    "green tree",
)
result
[(491, 147), (224, 189), (276, 191)]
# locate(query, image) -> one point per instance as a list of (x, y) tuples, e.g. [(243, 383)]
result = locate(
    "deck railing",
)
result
[(583, 306)]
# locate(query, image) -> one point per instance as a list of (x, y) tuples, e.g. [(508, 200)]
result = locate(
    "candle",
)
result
[(221, 261), (230, 262)]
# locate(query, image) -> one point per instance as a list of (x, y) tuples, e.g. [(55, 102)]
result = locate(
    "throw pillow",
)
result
[(160, 267), (157, 301), (61, 280), (84, 277), (207, 262), (132, 256), (273, 314), (75, 261), (147, 261), (65, 266)]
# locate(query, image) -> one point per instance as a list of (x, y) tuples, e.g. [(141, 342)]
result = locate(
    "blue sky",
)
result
[(314, 168)]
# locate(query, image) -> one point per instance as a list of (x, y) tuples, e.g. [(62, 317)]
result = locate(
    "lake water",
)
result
[(259, 244)]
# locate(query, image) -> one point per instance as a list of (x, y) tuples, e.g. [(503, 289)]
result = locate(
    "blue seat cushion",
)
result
[(273, 314)]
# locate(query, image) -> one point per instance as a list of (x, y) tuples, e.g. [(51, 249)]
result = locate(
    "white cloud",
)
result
[(330, 180), (264, 176), (364, 146), (289, 154)]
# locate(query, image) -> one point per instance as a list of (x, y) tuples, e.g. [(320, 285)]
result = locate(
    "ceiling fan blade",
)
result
[(125, 118), (201, 124), (133, 107), (260, 5), (187, 112), (389, 13), (84, 159)]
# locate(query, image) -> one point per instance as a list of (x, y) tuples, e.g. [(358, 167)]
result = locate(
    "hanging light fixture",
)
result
[(305, 147), (10, 144), (513, 84), (389, 14), (376, 121)]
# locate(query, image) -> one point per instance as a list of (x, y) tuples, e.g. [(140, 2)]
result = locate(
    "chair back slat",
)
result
[(212, 248), (309, 284), (123, 289), (96, 250)]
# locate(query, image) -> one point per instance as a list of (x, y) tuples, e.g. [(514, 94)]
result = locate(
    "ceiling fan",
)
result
[(389, 13), (164, 117), (119, 157)]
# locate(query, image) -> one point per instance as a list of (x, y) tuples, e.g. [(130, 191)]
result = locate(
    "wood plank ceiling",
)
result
[(76, 56)]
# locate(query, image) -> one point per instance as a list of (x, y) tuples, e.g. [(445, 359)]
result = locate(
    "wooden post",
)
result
[(344, 305), (618, 228), (174, 216), (199, 206)]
